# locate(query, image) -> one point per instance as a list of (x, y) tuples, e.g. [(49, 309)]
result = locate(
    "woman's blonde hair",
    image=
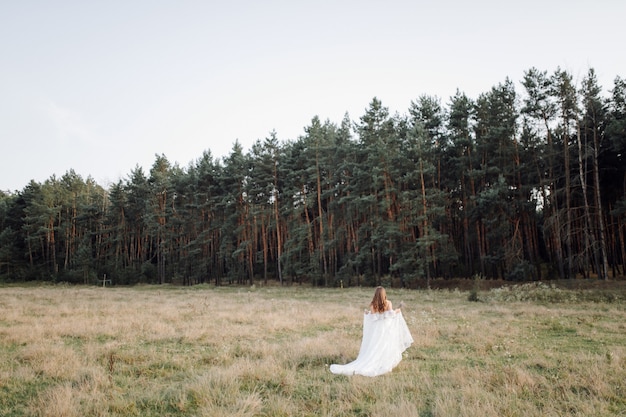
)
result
[(379, 302)]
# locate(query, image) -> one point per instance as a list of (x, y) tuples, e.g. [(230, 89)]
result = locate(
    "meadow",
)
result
[(531, 350)]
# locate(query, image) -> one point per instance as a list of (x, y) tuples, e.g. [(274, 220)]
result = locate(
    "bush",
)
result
[(550, 293), (473, 294)]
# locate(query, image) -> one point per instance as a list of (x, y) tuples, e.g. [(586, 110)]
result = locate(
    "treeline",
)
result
[(505, 186)]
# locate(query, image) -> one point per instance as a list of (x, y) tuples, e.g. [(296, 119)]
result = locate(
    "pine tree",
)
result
[(593, 125)]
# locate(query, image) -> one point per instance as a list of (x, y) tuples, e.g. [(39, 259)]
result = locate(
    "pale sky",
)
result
[(103, 86)]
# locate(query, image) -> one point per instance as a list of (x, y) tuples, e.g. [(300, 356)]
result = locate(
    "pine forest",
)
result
[(511, 185)]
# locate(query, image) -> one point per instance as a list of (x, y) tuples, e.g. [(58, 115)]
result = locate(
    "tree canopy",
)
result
[(509, 185)]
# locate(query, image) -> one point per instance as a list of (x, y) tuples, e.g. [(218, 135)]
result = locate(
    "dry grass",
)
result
[(205, 351)]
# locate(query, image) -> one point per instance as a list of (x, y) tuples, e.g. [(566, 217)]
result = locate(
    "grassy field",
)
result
[(265, 351)]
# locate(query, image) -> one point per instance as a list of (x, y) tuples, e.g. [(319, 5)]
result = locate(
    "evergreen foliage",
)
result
[(507, 186)]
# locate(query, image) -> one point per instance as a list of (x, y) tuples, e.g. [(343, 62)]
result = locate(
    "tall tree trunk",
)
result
[(425, 224), (320, 216), (568, 208), (620, 227), (588, 237), (265, 248), (278, 232), (603, 271)]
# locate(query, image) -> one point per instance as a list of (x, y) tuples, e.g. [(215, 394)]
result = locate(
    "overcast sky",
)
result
[(103, 86)]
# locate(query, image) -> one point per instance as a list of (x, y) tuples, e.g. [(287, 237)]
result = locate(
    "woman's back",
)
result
[(386, 307)]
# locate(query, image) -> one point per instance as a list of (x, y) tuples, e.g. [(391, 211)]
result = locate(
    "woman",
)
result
[(385, 337)]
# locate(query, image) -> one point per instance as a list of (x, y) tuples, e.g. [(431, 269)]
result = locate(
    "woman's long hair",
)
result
[(379, 302)]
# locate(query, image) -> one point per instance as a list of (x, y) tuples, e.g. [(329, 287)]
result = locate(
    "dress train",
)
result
[(385, 337)]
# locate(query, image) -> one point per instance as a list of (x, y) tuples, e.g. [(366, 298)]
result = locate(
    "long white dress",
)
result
[(385, 337)]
